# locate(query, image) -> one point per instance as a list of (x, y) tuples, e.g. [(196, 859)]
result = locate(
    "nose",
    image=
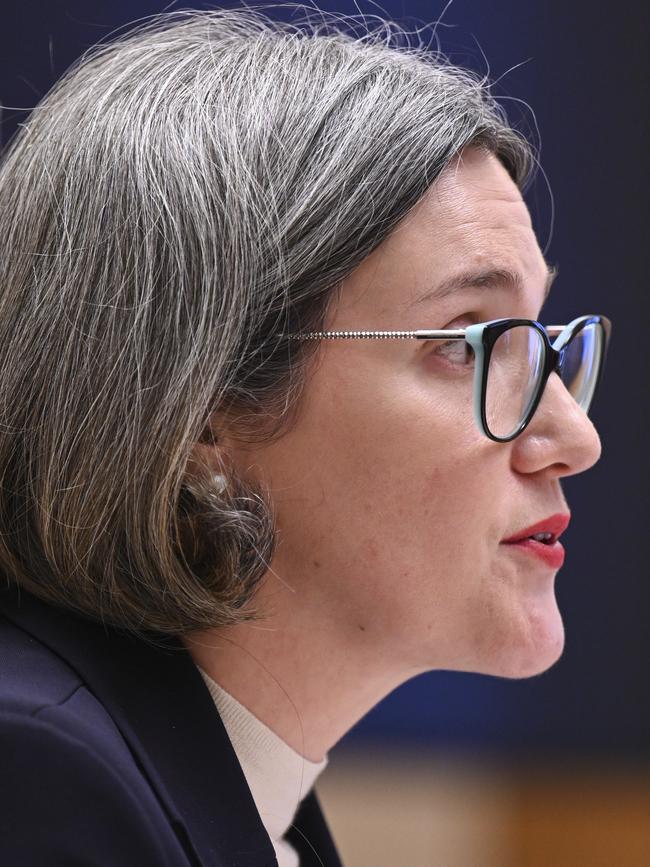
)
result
[(560, 439)]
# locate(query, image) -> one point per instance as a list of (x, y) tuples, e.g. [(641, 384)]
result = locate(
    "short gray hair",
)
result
[(185, 197)]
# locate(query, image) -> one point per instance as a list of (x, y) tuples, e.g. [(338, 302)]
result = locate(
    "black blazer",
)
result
[(113, 754)]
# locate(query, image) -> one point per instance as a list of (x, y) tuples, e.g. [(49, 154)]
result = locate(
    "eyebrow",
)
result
[(490, 279)]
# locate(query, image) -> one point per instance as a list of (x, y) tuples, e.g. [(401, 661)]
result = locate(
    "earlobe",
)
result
[(208, 461)]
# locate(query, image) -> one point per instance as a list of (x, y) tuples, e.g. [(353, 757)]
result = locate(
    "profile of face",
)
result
[(391, 505)]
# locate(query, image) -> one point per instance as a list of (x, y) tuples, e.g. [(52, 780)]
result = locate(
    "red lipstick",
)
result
[(549, 549)]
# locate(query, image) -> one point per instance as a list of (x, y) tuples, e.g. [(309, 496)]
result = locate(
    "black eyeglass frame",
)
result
[(482, 338)]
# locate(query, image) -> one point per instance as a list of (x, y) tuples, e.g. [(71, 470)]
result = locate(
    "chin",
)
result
[(540, 650), (532, 664), (531, 649)]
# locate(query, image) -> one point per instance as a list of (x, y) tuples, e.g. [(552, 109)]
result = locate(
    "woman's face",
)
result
[(391, 506)]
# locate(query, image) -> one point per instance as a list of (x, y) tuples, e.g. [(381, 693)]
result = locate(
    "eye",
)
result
[(455, 353)]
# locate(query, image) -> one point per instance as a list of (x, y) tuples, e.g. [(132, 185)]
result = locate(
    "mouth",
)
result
[(542, 539)]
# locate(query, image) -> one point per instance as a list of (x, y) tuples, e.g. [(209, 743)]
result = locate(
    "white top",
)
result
[(278, 777)]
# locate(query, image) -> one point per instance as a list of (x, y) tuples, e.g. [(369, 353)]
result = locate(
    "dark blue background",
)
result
[(585, 78)]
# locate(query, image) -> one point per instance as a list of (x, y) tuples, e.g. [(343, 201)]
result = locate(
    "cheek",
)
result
[(386, 489), (403, 458)]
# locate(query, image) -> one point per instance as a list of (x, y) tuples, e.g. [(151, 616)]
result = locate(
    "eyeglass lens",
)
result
[(579, 363), (516, 370)]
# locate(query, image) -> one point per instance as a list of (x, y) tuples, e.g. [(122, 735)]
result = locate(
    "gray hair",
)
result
[(184, 198)]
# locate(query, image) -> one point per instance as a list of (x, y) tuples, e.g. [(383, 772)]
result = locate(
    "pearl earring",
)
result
[(220, 481)]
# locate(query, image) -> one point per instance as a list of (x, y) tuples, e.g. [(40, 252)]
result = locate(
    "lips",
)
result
[(554, 524), (549, 551)]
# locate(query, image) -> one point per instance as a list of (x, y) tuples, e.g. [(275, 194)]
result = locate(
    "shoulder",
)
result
[(71, 789), (37, 685), (31, 675)]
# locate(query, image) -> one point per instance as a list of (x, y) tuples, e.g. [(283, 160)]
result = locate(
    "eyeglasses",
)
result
[(513, 361)]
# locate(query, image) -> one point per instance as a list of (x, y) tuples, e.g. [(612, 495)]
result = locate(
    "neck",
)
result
[(308, 677)]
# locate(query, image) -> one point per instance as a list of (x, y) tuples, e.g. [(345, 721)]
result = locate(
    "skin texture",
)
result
[(390, 504)]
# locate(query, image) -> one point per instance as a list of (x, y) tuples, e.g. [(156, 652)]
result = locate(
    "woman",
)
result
[(227, 533)]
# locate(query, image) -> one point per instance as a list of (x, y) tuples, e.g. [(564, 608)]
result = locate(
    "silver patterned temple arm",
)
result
[(450, 334)]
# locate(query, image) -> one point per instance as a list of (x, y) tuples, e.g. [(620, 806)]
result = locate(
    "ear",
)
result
[(222, 449), (218, 451), (210, 456)]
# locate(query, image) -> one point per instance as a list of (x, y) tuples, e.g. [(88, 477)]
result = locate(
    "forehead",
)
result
[(473, 181), (473, 216)]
